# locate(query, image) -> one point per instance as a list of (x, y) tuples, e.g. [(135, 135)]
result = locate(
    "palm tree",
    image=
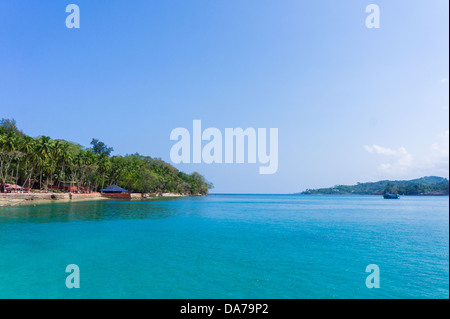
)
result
[(104, 165), (18, 157), (8, 146), (64, 156), (76, 167), (44, 149), (91, 167), (56, 154), (27, 147)]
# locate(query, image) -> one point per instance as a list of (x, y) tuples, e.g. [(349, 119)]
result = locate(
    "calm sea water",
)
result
[(228, 246)]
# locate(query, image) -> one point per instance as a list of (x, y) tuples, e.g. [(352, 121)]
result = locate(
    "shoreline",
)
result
[(26, 199), (352, 194)]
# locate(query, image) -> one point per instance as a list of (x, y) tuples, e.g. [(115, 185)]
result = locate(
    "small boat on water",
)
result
[(391, 196), (114, 191)]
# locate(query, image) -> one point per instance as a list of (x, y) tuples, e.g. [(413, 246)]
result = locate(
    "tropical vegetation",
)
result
[(429, 185), (56, 165)]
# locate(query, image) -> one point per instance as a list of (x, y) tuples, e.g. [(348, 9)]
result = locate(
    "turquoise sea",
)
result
[(228, 246)]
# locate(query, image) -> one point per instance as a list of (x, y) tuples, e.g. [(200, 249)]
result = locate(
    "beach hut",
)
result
[(13, 188), (69, 186), (115, 191)]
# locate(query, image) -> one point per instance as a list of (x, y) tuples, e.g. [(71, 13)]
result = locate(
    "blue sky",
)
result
[(351, 104)]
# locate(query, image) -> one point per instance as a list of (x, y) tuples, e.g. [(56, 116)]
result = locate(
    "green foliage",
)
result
[(49, 164), (98, 147), (429, 185), (9, 125)]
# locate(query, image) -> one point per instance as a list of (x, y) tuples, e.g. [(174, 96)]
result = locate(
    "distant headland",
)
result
[(428, 185)]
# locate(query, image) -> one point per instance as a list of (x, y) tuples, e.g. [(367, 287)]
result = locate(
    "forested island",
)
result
[(55, 165), (429, 185)]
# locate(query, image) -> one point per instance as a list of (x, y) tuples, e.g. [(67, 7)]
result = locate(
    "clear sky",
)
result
[(351, 104)]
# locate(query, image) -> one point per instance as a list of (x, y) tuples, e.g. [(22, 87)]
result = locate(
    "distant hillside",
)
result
[(429, 185)]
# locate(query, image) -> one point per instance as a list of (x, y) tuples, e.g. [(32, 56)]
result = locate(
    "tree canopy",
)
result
[(99, 147), (58, 165)]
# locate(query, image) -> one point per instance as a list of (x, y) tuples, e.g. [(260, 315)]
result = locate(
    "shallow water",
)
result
[(228, 246)]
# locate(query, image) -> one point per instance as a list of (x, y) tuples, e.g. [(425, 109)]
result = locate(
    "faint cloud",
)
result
[(400, 160), (444, 80), (438, 157), (380, 150)]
